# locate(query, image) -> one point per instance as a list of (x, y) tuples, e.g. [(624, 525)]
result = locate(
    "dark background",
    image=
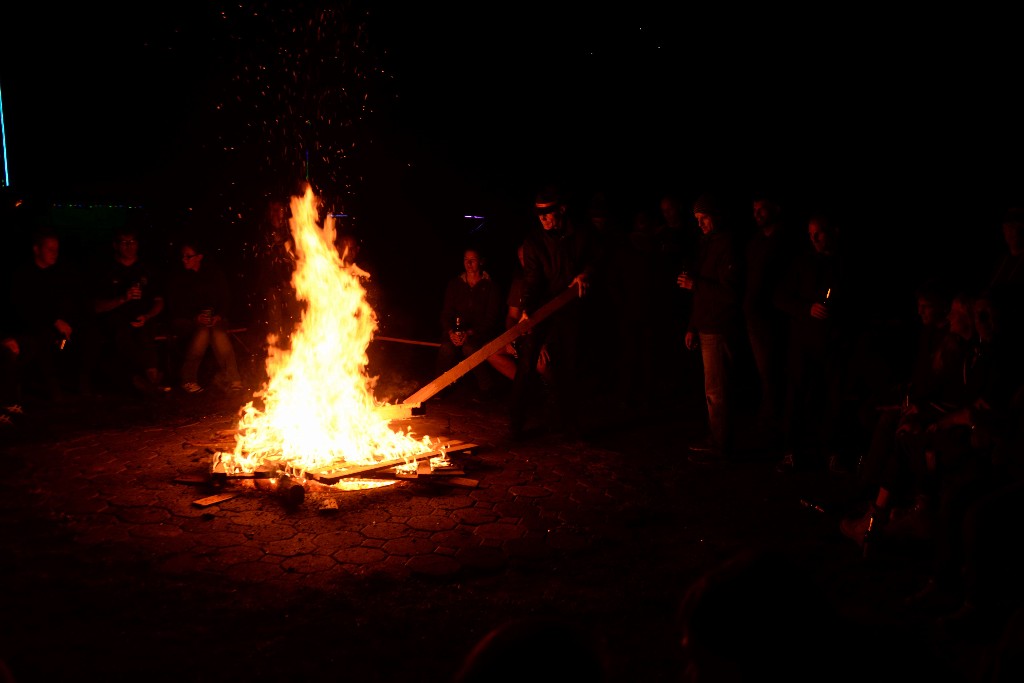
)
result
[(198, 115)]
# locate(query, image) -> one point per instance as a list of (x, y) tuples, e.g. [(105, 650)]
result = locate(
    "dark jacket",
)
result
[(718, 285), (551, 260), (478, 307)]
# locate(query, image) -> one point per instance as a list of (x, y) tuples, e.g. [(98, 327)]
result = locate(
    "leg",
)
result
[(224, 351), (195, 349), (717, 357), (525, 379)]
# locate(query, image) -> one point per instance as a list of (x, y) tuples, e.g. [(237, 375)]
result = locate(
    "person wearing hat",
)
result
[(715, 324), (556, 255)]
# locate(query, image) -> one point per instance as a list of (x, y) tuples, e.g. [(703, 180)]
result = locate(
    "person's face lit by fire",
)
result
[(765, 213), (930, 312), (705, 221), (961, 318), (822, 237), (46, 252), (127, 248), (551, 216), (191, 259), (473, 263)]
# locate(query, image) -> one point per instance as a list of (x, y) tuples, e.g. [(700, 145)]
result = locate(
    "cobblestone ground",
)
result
[(112, 572)]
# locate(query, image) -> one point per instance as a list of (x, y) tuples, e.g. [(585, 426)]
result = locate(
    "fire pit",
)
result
[(316, 418)]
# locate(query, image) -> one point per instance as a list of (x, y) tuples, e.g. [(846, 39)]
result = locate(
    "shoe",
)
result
[(191, 388), (14, 409), (705, 445)]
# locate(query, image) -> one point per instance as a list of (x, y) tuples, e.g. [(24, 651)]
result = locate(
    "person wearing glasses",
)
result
[(127, 294), (198, 298)]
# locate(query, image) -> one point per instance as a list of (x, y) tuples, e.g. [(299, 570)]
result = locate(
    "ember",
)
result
[(319, 413)]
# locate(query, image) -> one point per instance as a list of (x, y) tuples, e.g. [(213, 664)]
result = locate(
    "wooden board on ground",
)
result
[(213, 500), (492, 347), (334, 476)]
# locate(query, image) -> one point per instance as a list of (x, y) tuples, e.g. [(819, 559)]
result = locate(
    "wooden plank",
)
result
[(213, 500), (407, 341), (400, 411), (492, 347), (334, 476)]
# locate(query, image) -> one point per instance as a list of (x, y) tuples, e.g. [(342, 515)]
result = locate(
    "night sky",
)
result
[(408, 118)]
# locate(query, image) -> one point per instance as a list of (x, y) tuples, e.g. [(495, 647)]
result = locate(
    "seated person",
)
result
[(198, 298), (127, 293), (470, 317), (44, 311)]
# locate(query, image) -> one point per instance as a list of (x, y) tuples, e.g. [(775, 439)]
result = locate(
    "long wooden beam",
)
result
[(407, 341), (492, 347)]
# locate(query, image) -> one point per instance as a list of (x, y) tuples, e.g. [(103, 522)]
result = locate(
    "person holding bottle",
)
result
[(45, 308), (471, 316), (820, 301)]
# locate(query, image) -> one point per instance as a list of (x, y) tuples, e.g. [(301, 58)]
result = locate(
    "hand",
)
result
[(138, 322), (692, 341), (581, 284), (204, 319), (819, 311), (543, 359), (684, 280), (134, 293)]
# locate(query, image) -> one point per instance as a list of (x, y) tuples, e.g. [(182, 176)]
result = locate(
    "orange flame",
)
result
[(319, 411)]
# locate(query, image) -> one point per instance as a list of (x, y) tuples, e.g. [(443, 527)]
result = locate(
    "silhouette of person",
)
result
[(127, 293), (556, 255), (471, 316), (198, 301)]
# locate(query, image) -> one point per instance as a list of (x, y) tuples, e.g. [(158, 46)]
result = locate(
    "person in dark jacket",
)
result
[(715, 323), (556, 255), (46, 308), (471, 316), (820, 300)]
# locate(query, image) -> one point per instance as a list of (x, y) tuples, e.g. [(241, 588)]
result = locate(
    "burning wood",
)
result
[(318, 419)]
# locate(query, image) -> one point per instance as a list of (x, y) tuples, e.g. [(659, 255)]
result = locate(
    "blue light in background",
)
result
[(3, 140)]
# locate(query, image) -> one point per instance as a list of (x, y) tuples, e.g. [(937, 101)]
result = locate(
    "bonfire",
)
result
[(317, 410)]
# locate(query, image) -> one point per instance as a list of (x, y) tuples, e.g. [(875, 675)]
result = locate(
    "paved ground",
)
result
[(112, 572)]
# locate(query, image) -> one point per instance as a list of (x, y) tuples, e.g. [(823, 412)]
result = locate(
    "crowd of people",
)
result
[(799, 361), (759, 305), (72, 333)]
